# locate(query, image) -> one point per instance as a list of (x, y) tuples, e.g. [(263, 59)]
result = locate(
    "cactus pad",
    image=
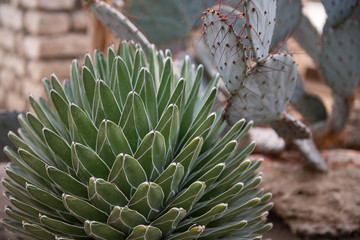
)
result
[(117, 22), (266, 91), (308, 38), (161, 24), (340, 57), (338, 10), (289, 128), (288, 17), (260, 18), (226, 48)]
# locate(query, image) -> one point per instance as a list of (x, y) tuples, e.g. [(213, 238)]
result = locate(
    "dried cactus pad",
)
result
[(226, 48), (289, 128), (266, 91), (340, 57), (338, 10), (288, 17), (117, 22)]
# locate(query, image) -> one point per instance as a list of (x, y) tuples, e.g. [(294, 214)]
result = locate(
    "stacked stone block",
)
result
[(37, 38)]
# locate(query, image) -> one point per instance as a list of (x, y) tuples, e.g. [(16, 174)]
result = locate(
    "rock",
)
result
[(41, 22), (317, 204), (267, 141), (69, 45), (79, 20), (11, 17), (44, 68), (49, 5)]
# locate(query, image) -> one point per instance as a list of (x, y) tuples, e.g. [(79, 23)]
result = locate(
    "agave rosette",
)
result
[(130, 150)]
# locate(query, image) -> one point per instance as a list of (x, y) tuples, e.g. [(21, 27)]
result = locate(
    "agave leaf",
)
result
[(103, 147), (170, 179), (125, 219), (235, 210), (83, 210), (58, 146), (134, 120), (224, 197), (117, 139), (189, 154), (110, 61), (38, 231), (127, 174), (62, 227), (192, 233), (98, 114), (19, 216), (109, 103), (87, 163), (125, 54), (209, 162), (67, 183), (37, 164), (205, 218), (84, 125), (29, 208), (217, 232), (168, 126), (139, 62), (60, 106), (17, 174), (56, 85), (188, 198), (145, 86), (89, 82), (19, 143), (165, 86), (105, 195), (202, 131), (68, 91), (100, 65), (147, 200), (169, 220), (36, 125), (30, 175), (210, 176), (45, 197), (99, 230), (40, 113), (16, 228), (177, 97), (154, 65), (145, 232), (191, 98), (151, 154), (75, 83)]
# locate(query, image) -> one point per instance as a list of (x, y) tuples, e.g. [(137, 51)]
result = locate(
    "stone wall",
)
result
[(37, 38)]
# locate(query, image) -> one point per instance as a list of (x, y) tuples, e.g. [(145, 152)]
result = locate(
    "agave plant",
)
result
[(128, 149)]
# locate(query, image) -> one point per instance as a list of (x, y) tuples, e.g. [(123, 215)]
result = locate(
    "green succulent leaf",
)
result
[(127, 174), (192, 233), (169, 221), (125, 219), (105, 195), (146, 233), (101, 231), (83, 210), (62, 227), (147, 200)]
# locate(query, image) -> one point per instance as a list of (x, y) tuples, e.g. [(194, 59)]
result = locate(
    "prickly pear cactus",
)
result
[(340, 57), (289, 128), (266, 91), (118, 24), (338, 10), (288, 17), (259, 92), (164, 21)]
